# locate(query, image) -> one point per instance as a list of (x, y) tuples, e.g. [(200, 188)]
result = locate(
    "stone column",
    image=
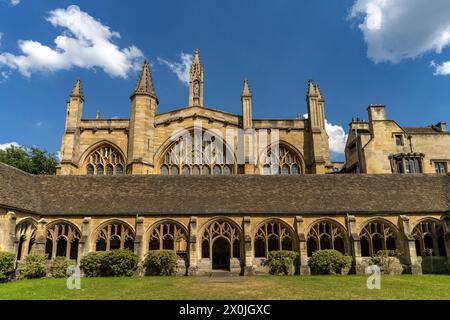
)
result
[(41, 237), (299, 225), (83, 248), (193, 253), (355, 245), (409, 246), (8, 232), (248, 250), (447, 239), (139, 237)]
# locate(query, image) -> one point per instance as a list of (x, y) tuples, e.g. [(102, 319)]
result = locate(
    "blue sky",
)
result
[(358, 51)]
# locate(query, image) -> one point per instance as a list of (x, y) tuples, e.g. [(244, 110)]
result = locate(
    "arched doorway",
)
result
[(221, 254)]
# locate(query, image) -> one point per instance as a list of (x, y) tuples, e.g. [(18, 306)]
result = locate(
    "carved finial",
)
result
[(77, 91), (144, 85), (98, 115), (311, 88), (246, 91), (197, 55)]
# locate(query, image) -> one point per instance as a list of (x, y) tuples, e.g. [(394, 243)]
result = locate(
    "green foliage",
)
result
[(92, 264), (161, 263), (33, 266), (388, 261), (59, 267), (281, 262), (30, 159), (115, 263), (7, 261), (328, 262), (120, 263)]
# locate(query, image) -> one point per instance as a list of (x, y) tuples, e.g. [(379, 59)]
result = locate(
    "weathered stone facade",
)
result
[(138, 184), (383, 146)]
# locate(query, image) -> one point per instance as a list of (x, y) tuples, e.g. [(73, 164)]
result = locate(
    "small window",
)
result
[(217, 170), (119, 169), (99, 170), (164, 170), (398, 140), (90, 170), (440, 167)]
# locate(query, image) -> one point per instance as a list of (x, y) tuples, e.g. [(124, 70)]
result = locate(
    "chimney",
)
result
[(376, 112)]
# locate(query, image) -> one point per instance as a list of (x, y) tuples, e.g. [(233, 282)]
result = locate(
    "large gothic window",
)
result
[(169, 236), (429, 238), (221, 230), (191, 154), (279, 159), (113, 236), (26, 236), (62, 241), (326, 235), (377, 236), (273, 236), (105, 160)]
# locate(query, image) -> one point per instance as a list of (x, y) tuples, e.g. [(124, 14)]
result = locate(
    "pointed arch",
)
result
[(25, 236), (273, 234), (378, 234), (283, 159), (62, 239), (187, 153), (103, 158), (327, 233), (429, 237), (114, 234), (168, 234)]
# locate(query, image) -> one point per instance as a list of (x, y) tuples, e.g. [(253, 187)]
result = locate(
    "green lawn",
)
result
[(257, 287)]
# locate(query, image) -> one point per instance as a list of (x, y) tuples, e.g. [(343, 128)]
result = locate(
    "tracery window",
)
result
[(429, 238), (221, 229), (376, 236), (26, 236), (169, 236), (281, 160), (325, 235), (272, 236), (193, 155), (115, 236), (62, 241), (105, 160)]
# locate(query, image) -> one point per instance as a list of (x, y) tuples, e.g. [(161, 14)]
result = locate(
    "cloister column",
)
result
[(248, 250), (193, 253), (355, 245), (41, 237), (8, 232), (299, 225), (85, 238), (447, 238), (139, 237), (409, 246)]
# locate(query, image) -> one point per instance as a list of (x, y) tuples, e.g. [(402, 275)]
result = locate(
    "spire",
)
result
[(77, 91), (246, 91), (318, 92), (144, 85), (312, 90), (196, 81)]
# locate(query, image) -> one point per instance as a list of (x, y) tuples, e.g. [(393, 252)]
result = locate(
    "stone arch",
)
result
[(113, 234), (378, 234), (116, 162), (168, 234), (273, 234), (62, 239), (327, 233), (25, 234), (230, 232), (429, 237), (289, 160), (198, 159)]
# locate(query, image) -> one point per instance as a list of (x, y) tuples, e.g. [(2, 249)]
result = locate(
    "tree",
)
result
[(30, 159)]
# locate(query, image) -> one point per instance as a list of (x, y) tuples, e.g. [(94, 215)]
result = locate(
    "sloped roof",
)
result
[(242, 194)]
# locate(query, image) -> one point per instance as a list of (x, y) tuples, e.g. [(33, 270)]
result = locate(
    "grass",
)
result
[(246, 288)]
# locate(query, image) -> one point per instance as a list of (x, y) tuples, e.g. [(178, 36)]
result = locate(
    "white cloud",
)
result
[(399, 29), (14, 2), (336, 136), (85, 43), (4, 146), (181, 69)]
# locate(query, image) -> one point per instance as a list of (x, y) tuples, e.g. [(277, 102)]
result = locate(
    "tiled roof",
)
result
[(242, 194)]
